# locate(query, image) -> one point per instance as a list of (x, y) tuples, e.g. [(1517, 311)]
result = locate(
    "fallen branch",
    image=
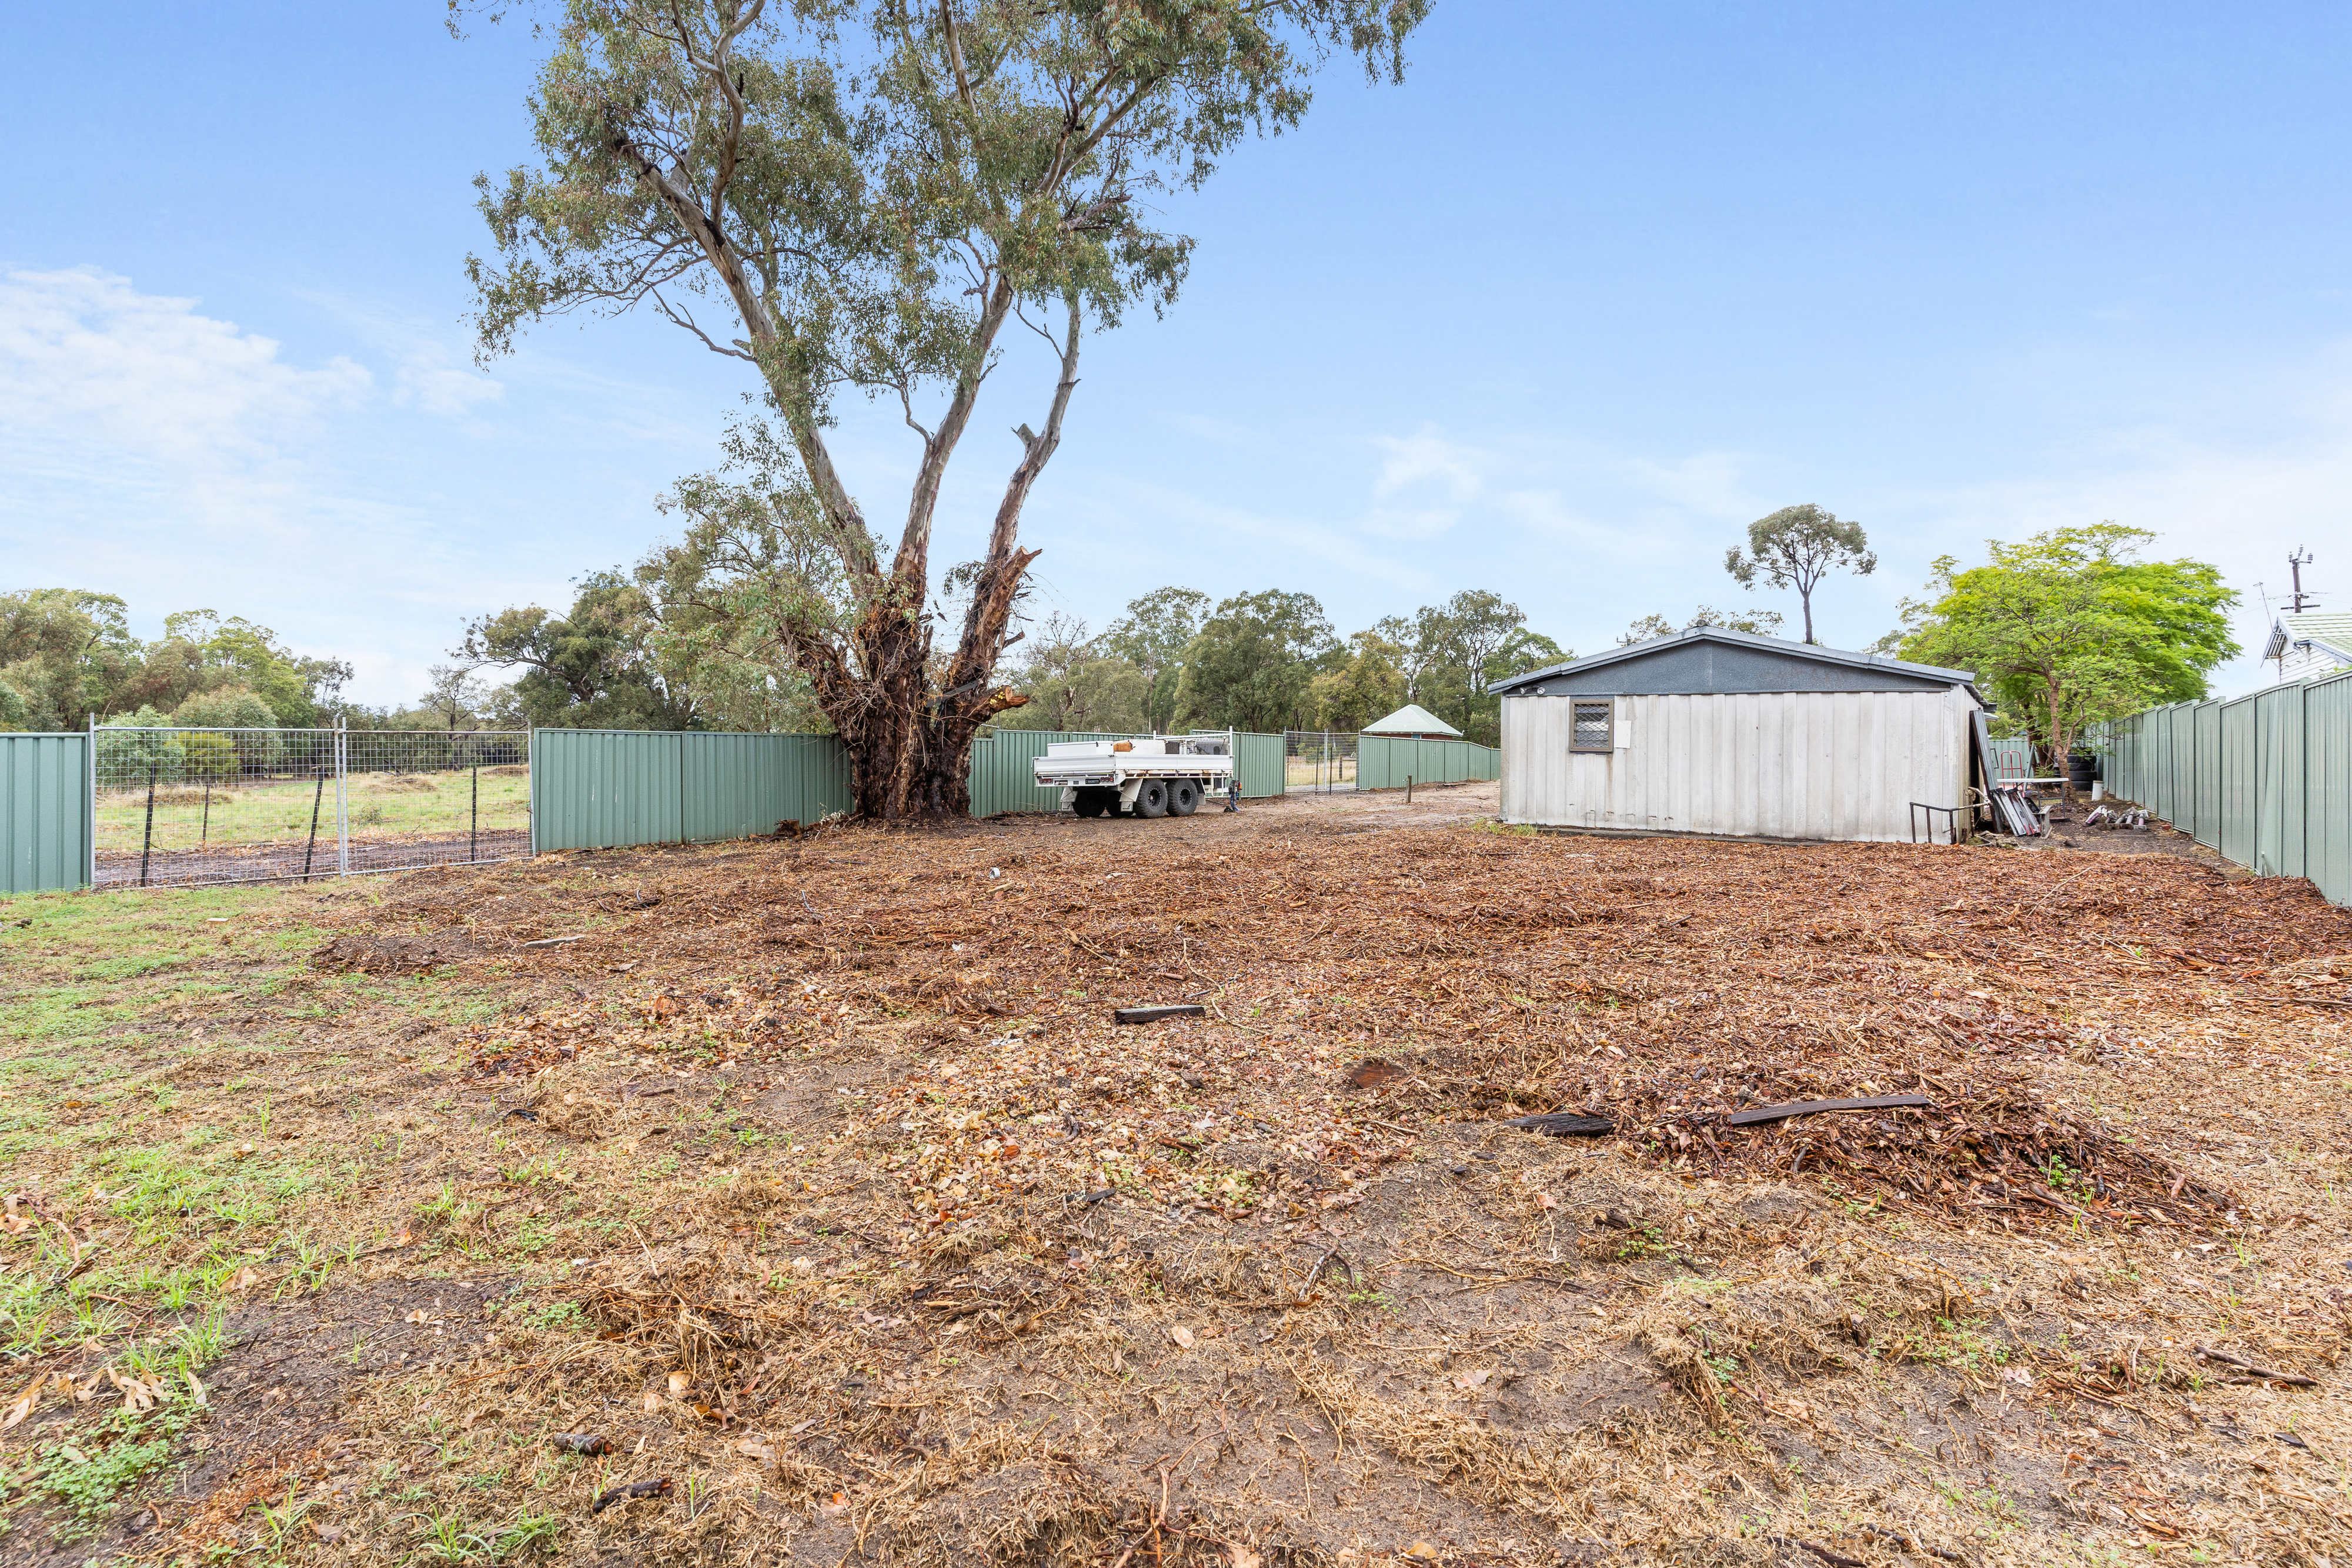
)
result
[(2294, 1379)]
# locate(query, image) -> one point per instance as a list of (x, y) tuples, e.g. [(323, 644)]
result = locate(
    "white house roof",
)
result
[(2332, 633), (1411, 719)]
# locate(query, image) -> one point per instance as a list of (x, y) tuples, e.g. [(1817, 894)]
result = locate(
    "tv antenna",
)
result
[(2299, 601)]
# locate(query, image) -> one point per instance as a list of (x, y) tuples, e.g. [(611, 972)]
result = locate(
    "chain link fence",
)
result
[(1314, 760), (180, 807)]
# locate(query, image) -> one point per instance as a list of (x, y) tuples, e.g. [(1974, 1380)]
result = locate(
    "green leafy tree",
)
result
[(1152, 636), (592, 667), (200, 652), (1252, 661), (713, 597), (1450, 653), (1643, 629), (66, 652), (1795, 548), (1761, 622), (1073, 683), (867, 195), (2068, 629), (1370, 684), (1756, 622), (139, 749), (254, 748), (1455, 645)]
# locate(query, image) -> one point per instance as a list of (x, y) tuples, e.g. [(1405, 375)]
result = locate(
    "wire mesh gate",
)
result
[(182, 805), (1318, 761)]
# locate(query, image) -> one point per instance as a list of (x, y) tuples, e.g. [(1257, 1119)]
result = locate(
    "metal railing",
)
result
[(186, 806)]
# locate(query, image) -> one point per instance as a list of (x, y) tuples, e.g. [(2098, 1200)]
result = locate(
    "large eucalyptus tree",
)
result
[(865, 197)]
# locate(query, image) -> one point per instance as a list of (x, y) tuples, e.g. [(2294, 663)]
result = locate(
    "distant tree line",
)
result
[(68, 656), (1271, 661)]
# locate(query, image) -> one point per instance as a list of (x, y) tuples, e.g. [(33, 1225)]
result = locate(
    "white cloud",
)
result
[(85, 356)]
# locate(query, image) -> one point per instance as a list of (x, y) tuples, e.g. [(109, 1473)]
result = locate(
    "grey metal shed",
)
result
[(1725, 733)]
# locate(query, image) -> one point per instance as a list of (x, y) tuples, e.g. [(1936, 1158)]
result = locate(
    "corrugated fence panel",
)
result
[(2278, 786), (603, 789), (2205, 779), (1003, 777), (742, 786), (2327, 787), (45, 827), (1385, 761), (1263, 764), (2234, 784), (2266, 780), (2181, 790)]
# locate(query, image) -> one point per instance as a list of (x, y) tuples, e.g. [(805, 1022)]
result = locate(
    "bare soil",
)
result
[(285, 862), (817, 1180)]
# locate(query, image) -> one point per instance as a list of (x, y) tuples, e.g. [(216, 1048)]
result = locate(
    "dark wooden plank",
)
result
[(1563, 1124), (1807, 1107), (1153, 1014)]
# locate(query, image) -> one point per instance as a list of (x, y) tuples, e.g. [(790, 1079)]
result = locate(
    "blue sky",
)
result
[(1595, 288)]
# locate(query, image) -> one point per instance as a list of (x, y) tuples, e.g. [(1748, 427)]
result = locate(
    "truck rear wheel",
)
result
[(1183, 797), (1094, 802), (1151, 798)]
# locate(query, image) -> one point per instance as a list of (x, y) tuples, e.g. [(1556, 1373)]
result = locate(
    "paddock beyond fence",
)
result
[(184, 807), (2266, 780)]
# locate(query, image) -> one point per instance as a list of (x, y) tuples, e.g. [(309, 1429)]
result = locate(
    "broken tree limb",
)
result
[(2294, 1379), (1807, 1108), (559, 941)]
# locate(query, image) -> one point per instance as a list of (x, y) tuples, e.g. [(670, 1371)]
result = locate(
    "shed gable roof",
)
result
[(1410, 719), (1711, 659)]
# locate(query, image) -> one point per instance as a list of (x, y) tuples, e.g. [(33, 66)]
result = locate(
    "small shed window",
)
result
[(1592, 730)]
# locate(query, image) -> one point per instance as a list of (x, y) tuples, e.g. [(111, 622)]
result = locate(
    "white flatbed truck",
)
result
[(1145, 776)]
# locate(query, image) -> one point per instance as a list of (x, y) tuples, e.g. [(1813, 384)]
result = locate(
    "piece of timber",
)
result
[(1561, 1124), (1153, 1014), (1807, 1107)]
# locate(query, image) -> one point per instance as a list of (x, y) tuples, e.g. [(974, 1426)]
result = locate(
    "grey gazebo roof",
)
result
[(1411, 719), (1714, 659)]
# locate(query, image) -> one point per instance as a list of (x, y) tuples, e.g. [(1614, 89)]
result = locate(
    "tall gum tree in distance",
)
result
[(1795, 548), (867, 195)]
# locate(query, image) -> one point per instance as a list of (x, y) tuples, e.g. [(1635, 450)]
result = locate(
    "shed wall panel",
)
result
[(1791, 765)]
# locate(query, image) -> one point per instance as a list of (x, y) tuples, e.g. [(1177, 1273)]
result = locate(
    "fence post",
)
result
[(147, 839), (343, 804), (316, 790), (474, 818), (89, 803)]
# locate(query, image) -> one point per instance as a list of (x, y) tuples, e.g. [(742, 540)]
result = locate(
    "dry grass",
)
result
[(817, 1181)]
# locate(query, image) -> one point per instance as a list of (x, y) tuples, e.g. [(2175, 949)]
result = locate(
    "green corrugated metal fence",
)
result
[(1385, 761), (1002, 769), (44, 806), (1002, 759), (602, 788), (2266, 780), (1261, 763)]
